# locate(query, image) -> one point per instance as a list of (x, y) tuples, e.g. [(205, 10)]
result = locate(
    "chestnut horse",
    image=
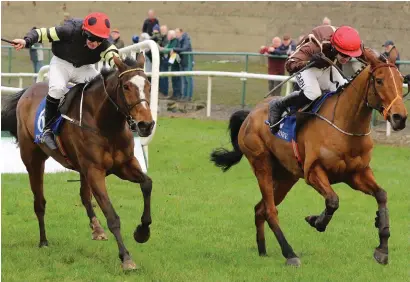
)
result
[(330, 152), (102, 144)]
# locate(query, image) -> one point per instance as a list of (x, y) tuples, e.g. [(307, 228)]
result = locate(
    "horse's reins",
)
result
[(129, 107), (379, 109), (128, 117)]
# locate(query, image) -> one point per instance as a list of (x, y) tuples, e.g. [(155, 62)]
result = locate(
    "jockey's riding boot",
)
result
[(50, 113), (278, 106)]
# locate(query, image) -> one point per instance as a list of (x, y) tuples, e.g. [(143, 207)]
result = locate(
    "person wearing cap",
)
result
[(77, 46), (116, 40), (391, 53), (339, 44)]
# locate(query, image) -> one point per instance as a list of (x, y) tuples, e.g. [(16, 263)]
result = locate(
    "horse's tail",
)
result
[(224, 158), (8, 112)]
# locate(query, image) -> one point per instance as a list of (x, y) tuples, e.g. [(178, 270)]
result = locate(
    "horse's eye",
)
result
[(126, 87), (379, 81)]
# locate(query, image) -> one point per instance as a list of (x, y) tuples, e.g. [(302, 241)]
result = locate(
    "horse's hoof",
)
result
[(293, 262), (100, 236), (43, 244), (141, 234), (381, 257), (129, 265), (312, 222), (263, 255)]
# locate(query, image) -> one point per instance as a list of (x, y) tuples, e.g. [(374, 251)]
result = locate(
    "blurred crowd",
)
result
[(285, 46)]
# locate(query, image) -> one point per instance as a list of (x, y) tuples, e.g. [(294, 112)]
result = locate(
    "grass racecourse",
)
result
[(203, 222)]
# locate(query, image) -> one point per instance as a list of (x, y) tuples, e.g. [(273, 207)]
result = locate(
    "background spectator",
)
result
[(164, 35), (156, 36), (135, 39), (276, 66), (149, 23), (66, 17), (288, 45), (326, 21), (164, 66), (116, 40), (391, 53), (186, 63), (36, 56)]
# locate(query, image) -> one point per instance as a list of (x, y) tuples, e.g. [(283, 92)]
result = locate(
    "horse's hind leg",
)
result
[(319, 180), (34, 159), (364, 181), (281, 190), (262, 167), (260, 215), (85, 193)]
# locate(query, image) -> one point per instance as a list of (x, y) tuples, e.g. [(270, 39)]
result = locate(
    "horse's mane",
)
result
[(106, 72), (352, 78)]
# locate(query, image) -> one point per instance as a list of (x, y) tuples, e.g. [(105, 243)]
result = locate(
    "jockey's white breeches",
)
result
[(313, 81), (62, 72)]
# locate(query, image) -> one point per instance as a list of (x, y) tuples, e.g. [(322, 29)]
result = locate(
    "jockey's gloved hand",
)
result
[(316, 58)]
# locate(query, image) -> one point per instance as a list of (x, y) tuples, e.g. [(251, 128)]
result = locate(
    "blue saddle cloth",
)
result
[(39, 122), (287, 128)]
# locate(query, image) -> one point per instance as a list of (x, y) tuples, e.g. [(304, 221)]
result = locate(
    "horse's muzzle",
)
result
[(398, 122), (143, 128)]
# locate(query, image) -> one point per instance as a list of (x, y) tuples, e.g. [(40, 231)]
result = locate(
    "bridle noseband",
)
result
[(383, 110), (127, 113)]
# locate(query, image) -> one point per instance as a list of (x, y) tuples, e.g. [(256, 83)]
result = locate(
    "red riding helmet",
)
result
[(97, 24), (347, 41)]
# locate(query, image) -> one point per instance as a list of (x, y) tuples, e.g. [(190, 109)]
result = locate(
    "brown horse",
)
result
[(102, 145), (328, 154)]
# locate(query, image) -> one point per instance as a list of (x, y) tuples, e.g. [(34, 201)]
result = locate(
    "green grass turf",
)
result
[(203, 222)]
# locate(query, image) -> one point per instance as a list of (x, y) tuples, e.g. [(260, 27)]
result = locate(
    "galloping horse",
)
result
[(101, 144), (335, 147)]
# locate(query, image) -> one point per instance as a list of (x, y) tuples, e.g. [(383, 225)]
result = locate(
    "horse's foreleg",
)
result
[(96, 180), (364, 181), (262, 168), (132, 171), (319, 180), (85, 193)]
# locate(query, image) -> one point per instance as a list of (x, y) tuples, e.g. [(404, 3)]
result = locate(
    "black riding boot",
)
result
[(49, 115), (278, 106)]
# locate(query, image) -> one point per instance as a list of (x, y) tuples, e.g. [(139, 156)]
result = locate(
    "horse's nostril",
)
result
[(144, 125), (398, 118)]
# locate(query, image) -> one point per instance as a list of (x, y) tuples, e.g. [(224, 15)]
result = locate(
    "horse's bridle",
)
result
[(131, 122), (372, 81)]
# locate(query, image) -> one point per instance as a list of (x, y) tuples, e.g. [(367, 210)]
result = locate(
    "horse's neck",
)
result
[(352, 113), (106, 117)]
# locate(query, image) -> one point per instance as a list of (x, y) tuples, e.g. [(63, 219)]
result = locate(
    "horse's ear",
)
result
[(141, 60), (120, 65), (370, 56)]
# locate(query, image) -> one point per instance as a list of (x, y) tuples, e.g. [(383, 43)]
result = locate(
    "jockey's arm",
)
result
[(58, 33), (109, 53), (301, 57)]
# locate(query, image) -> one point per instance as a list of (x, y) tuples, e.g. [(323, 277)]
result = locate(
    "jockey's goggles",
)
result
[(91, 37), (344, 55)]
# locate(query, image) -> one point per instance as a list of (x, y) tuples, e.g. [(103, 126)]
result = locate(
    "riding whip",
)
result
[(8, 41)]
